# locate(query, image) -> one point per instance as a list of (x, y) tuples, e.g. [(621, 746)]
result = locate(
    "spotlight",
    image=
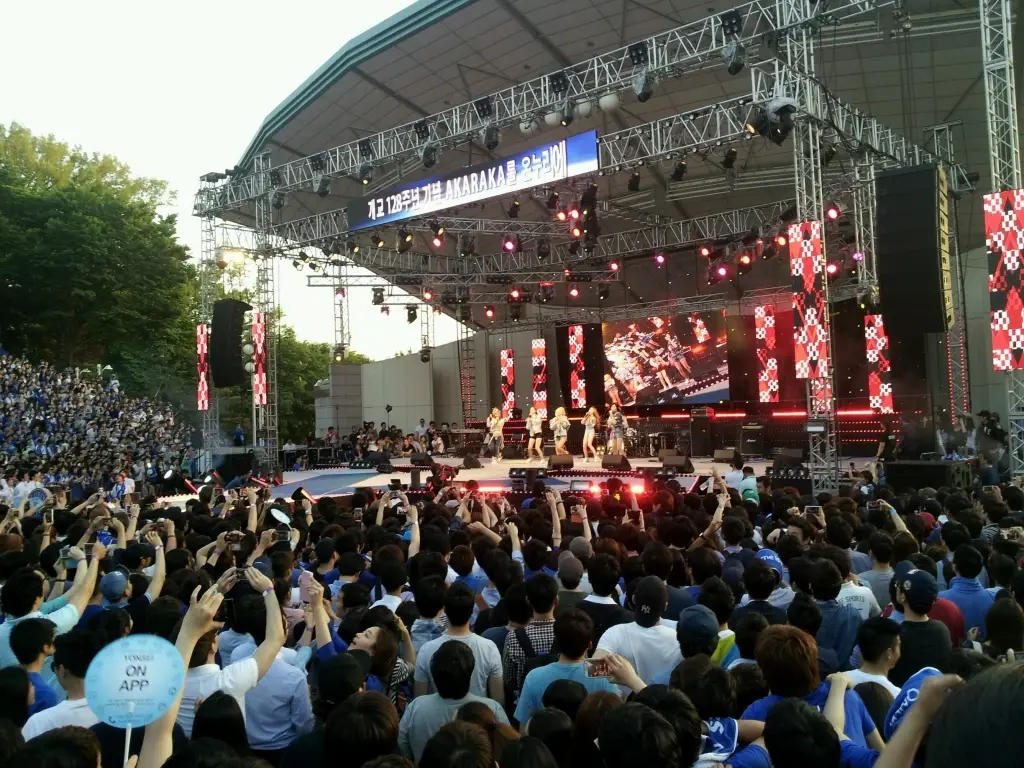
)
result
[(833, 212), (515, 312), (638, 54), (736, 55), (422, 130), (404, 240), (438, 238), (377, 240), (567, 113), (339, 353), (730, 158), (366, 173), (613, 266), (545, 292), (781, 240), (513, 209), (603, 293), (659, 258), (679, 171), (489, 312), (378, 296), (574, 291), (304, 257), (574, 212), (553, 201), (857, 256), (722, 271), (425, 355), (705, 251), (428, 295), (491, 137), (323, 189), (574, 248), (298, 265), (561, 215), (512, 244), (634, 182), (744, 263), (514, 295), (832, 268), (484, 108), (410, 313), (768, 251), (428, 155), (732, 22), (642, 86), (465, 314), (543, 249), (468, 247), (576, 230)]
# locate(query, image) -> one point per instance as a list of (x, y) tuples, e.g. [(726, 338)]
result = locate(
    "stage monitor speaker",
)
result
[(227, 368), (422, 460), (471, 462), (724, 454), (615, 462), (385, 468), (928, 474), (912, 250), (788, 458), (682, 464), (663, 452), (560, 462), (512, 451)]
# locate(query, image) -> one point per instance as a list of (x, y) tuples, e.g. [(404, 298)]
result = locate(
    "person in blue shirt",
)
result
[(32, 643), (839, 622), (788, 658), (966, 591), (461, 561)]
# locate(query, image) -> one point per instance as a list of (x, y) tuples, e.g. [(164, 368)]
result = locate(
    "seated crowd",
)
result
[(463, 632)]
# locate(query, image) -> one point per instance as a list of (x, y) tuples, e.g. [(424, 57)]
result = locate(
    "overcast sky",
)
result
[(177, 90)]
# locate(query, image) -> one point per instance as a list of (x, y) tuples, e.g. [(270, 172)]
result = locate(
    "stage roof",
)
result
[(439, 53)]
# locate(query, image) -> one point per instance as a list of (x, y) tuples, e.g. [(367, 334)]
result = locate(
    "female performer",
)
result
[(560, 426), (616, 431), (611, 390), (495, 425), (535, 429), (590, 424)]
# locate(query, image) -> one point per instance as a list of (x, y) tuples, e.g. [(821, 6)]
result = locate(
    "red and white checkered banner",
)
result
[(821, 398), (877, 353), (203, 367), (810, 315), (767, 360), (577, 383), (700, 330), (1004, 236), (259, 359), (538, 349), (508, 382)]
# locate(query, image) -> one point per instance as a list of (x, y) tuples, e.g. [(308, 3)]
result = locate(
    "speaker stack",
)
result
[(227, 368)]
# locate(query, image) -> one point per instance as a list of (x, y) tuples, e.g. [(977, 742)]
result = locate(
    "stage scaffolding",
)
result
[(790, 29)]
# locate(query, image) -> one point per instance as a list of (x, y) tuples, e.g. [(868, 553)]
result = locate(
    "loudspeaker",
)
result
[(700, 436), (560, 462), (681, 463), (385, 468), (471, 462), (912, 249), (227, 368), (615, 462), (663, 452), (724, 454), (928, 474), (513, 451), (422, 460), (788, 458)]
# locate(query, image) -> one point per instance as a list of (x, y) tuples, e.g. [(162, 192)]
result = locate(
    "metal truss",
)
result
[(958, 375), (466, 346), (1004, 153), (669, 54), (208, 274), (864, 210), (265, 430), (439, 280), (426, 316)]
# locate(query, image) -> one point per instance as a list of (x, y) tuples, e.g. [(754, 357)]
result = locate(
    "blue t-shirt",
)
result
[(538, 680), (853, 756), (859, 724), (46, 697)]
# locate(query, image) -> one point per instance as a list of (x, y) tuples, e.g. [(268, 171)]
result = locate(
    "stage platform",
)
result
[(492, 477)]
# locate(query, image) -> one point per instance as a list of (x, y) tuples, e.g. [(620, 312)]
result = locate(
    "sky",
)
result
[(177, 90)]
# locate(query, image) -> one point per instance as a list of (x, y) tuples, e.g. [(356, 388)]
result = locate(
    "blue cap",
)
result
[(113, 585), (769, 556), (905, 700)]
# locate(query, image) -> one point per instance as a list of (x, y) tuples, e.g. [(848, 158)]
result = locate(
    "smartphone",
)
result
[(874, 504), (812, 510), (579, 486), (235, 541), (357, 514), (226, 612), (48, 517), (66, 559), (596, 667), (88, 550), (393, 495), (282, 536), (989, 488), (395, 484), (304, 579), (240, 573)]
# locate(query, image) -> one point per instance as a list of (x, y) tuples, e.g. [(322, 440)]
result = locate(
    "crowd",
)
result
[(389, 441), (76, 429), (460, 631)]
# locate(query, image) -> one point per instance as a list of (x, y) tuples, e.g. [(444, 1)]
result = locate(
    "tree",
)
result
[(355, 358)]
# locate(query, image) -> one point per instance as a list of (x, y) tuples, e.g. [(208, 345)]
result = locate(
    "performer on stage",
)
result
[(496, 441), (611, 391), (535, 429), (590, 424), (560, 426), (616, 431)]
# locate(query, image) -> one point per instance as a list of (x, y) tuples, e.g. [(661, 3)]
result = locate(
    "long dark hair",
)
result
[(498, 733), (14, 688), (219, 717)]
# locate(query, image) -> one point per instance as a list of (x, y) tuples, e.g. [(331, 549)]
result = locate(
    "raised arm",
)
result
[(413, 514), (156, 584), (274, 640), (82, 590)]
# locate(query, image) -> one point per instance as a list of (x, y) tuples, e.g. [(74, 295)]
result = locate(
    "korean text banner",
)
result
[(547, 164)]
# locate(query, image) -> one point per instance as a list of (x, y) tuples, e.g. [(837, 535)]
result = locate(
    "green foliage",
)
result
[(355, 358)]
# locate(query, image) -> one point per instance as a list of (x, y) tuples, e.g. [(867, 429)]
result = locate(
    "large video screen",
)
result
[(666, 360)]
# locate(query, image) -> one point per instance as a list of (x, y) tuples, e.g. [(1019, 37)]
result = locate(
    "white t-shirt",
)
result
[(486, 656), (235, 680), (75, 712), (861, 598), (650, 650), (391, 602), (860, 676)]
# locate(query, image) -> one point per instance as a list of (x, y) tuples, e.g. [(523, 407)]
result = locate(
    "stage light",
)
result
[(437, 241), (428, 155), (781, 240), (314, 267), (491, 137), (705, 251), (768, 252), (339, 353), (574, 248), (422, 130), (567, 113), (576, 230), (744, 263), (352, 246), (553, 201), (366, 173), (730, 158), (857, 256), (512, 244), (732, 22), (515, 295), (679, 171), (722, 271), (736, 55), (468, 247), (323, 189), (278, 199), (513, 209), (642, 86), (377, 240), (833, 212), (828, 153), (515, 312), (613, 266), (411, 314), (561, 215), (832, 268), (378, 296), (574, 291), (574, 211), (428, 295), (543, 249), (298, 265), (425, 355), (634, 182), (489, 312), (404, 240), (659, 258), (545, 292), (603, 293)]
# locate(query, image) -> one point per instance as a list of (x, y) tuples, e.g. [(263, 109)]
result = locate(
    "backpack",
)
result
[(534, 660)]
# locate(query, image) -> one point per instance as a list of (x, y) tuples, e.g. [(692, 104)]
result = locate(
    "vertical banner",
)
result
[(1004, 235), (538, 348), (879, 383), (508, 382), (577, 381), (767, 361), (810, 315), (203, 367), (259, 359)]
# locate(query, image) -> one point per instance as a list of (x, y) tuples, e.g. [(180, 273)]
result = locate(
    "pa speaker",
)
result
[(663, 452), (788, 458), (680, 463), (560, 462), (928, 474), (227, 368), (615, 462), (422, 460), (512, 451), (724, 454), (471, 462)]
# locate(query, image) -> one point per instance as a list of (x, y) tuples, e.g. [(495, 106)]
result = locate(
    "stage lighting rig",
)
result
[(491, 137), (543, 249), (576, 230), (559, 83), (659, 258), (603, 293), (515, 312), (744, 263), (561, 214), (574, 291), (634, 182), (729, 160), (574, 212), (428, 155), (833, 212), (468, 247), (638, 54), (732, 22), (323, 189), (366, 173), (736, 55), (768, 251), (832, 269), (545, 292), (642, 86), (489, 312), (679, 171), (781, 240), (513, 209), (567, 113), (411, 315), (428, 295), (465, 313), (404, 240), (512, 244), (422, 130), (299, 266), (613, 265), (425, 355), (704, 251), (438, 239), (352, 246), (589, 197), (553, 201), (378, 296), (339, 353), (717, 273), (514, 295), (377, 240), (278, 199), (484, 108)]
